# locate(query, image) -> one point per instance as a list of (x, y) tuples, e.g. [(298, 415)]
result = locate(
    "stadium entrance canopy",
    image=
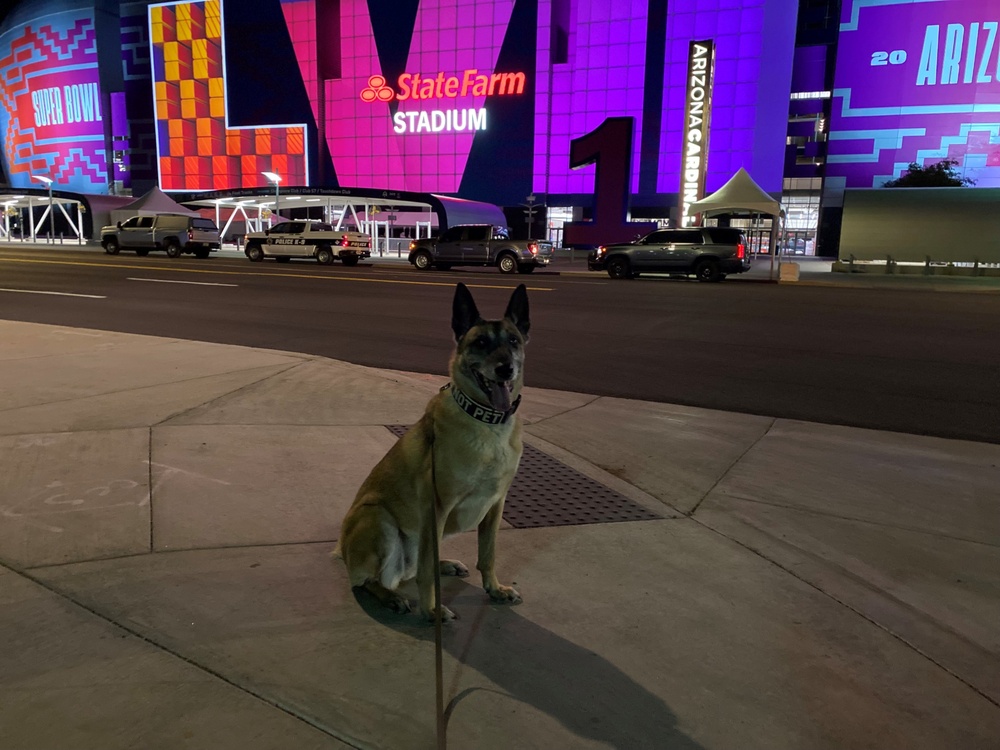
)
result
[(28, 212), (372, 211)]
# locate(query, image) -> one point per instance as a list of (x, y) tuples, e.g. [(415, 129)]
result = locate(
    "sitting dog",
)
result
[(455, 464)]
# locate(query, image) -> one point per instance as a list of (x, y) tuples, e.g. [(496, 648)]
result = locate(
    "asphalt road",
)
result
[(913, 361)]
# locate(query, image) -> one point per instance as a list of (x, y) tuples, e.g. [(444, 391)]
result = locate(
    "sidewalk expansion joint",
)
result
[(729, 468), (93, 611), (858, 519), (543, 420), (228, 394), (816, 587)]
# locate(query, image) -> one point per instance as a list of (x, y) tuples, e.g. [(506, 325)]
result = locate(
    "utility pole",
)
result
[(530, 209)]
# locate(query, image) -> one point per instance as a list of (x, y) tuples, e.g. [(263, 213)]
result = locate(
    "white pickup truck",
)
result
[(174, 233), (308, 239)]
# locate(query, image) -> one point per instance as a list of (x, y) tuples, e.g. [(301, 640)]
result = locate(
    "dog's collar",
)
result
[(477, 410)]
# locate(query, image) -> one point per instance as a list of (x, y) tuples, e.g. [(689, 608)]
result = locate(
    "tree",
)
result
[(942, 174)]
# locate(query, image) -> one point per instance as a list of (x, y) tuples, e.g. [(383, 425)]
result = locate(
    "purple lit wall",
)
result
[(754, 45), (602, 77), (448, 36), (591, 64), (916, 82), (606, 67)]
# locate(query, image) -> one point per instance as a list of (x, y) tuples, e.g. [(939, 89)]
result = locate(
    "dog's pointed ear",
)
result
[(464, 313), (517, 310)]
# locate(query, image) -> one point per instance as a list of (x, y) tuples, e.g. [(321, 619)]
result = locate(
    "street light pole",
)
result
[(52, 216), (276, 179)]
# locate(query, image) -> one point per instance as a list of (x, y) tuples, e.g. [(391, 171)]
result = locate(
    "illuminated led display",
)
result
[(480, 99), (916, 82), (51, 116), (697, 117), (197, 148), (385, 112)]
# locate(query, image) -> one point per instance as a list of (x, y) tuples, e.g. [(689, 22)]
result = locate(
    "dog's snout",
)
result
[(504, 371)]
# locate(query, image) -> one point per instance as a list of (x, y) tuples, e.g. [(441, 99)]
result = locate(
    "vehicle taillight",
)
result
[(190, 234), (533, 248), (741, 251), (343, 241)]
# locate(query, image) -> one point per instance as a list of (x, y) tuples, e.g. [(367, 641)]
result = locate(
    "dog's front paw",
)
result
[(504, 594), (454, 568), (446, 615)]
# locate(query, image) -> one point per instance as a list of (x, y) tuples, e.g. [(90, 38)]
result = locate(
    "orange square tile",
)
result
[(227, 165), (180, 128), (198, 165), (213, 28), (167, 110)]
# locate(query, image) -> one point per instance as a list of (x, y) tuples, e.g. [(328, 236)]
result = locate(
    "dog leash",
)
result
[(442, 740)]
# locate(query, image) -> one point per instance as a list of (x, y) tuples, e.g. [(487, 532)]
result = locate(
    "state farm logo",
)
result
[(377, 91), (413, 86)]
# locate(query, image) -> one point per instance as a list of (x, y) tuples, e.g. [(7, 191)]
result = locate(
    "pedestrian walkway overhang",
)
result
[(27, 213), (351, 203)]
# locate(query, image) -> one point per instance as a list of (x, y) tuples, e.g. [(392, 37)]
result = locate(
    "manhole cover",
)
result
[(547, 492)]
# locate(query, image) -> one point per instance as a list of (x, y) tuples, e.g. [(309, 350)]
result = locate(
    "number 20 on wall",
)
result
[(896, 57)]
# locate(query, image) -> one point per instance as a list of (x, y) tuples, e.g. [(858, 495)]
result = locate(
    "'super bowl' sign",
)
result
[(51, 118)]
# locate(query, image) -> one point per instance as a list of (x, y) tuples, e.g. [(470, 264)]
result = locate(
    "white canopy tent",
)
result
[(741, 193), (152, 203)]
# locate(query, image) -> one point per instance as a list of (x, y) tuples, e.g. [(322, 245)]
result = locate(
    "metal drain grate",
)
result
[(547, 492)]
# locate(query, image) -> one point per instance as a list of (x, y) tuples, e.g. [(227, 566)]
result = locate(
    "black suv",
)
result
[(707, 252)]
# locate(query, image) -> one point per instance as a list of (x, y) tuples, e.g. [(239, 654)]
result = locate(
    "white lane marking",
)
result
[(58, 294), (170, 281)]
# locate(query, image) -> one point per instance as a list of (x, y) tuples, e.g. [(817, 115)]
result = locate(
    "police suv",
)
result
[(308, 239)]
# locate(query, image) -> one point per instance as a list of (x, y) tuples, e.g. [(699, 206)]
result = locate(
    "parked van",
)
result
[(173, 233)]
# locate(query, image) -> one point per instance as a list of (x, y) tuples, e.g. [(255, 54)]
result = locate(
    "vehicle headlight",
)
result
[(601, 250)]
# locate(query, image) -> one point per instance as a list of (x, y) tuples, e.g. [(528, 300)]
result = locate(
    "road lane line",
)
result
[(58, 294), (171, 281), (38, 261)]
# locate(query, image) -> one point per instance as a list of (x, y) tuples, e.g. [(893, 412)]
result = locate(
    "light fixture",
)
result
[(276, 179)]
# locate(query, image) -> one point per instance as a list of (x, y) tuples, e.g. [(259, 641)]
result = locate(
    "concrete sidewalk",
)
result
[(167, 508)]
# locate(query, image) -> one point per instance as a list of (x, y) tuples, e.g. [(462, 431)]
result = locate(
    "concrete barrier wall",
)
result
[(954, 225)]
